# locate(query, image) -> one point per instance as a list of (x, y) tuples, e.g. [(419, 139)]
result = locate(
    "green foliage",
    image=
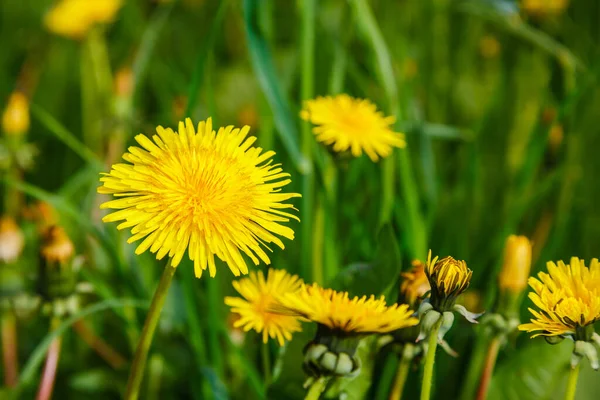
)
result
[(499, 108)]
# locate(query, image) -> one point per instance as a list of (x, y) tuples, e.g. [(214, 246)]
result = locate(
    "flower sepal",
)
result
[(587, 350), (469, 316)]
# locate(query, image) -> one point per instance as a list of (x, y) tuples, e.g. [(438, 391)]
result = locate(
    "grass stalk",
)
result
[(136, 374)]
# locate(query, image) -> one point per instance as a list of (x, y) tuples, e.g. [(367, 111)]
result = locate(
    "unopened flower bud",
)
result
[(15, 120), (56, 277), (517, 264)]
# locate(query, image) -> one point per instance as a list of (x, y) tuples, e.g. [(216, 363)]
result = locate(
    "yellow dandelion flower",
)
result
[(339, 313), (448, 279), (259, 297), (517, 263), (568, 298), (15, 119), (352, 124), (414, 283), (74, 18), (205, 192)]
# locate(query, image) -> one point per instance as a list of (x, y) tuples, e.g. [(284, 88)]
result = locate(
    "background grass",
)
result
[(481, 89)]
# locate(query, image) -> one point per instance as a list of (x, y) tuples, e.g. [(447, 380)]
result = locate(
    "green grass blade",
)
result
[(262, 63), (62, 134)]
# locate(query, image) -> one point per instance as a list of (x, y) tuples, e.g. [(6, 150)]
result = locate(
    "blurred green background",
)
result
[(499, 103)]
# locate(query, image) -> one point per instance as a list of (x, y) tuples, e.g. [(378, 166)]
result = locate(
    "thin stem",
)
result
[(572, 383), (488, 368), (103, 349), (215, 300), (141, 354), (266, 363), (401, 375), (318, 240), (49, 374), (9, 349), (315, 390), (307, 92), (429, 360)]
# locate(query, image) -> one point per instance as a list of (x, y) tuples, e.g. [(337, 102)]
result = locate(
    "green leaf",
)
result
[(376, 277), (532, 372), (262, 63)]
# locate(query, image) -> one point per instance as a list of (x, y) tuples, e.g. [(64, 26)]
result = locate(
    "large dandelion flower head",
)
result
[(210, 193), (259, 297), (352, 124), (344, 315), (74, 18), (567, 298), (448, 279)]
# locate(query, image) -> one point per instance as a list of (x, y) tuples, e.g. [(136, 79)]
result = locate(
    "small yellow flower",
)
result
[(448, 279), (210, 193), (352, 124), (339, 313), (414, 283), (568, 298), (12, 240), (517, 263), (74, 18), (15, 119), (259, 298)]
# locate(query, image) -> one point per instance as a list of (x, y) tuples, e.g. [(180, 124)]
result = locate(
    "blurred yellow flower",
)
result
[(448, 279), (74, 18), (541, 7), (209, 192), (352, 124), (414, 283), (15, 119), (56, 246), (517, 263), (568, 298), (335, 310), (489, 46), (259, 297)]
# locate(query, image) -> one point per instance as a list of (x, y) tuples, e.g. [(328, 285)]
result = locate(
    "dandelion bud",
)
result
[(11, 240), (489, 47), (56, 278), (448, 279), (15, 120), (414, 284), (517, 263)]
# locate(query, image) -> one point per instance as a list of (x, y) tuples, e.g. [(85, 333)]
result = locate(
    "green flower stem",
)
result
[(307, 92), (141, 354), (488, 368), (429, 360), (572, 383), (266, 363), (401, 375), (317, 387)]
